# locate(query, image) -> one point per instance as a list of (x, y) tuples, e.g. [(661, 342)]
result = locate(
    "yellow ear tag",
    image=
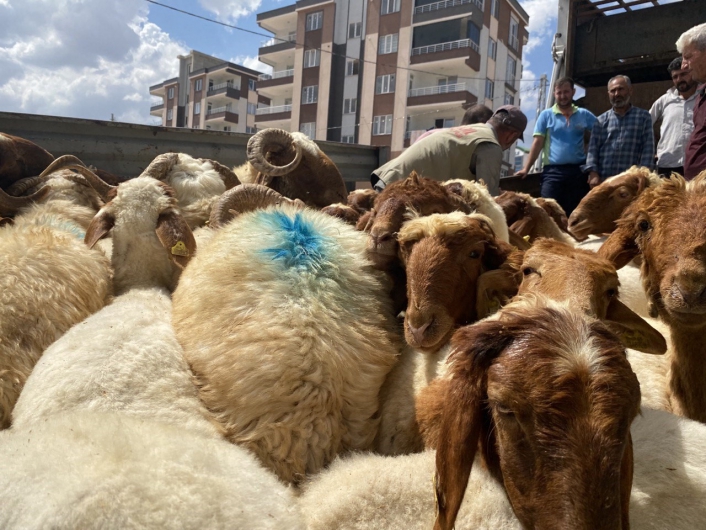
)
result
[(180, 249), (526, 238)]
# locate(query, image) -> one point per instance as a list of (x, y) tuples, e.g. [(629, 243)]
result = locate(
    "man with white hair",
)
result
[(621, 137), (692, 46)]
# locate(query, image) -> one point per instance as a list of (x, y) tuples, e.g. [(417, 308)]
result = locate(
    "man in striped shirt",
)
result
[(621, 137)]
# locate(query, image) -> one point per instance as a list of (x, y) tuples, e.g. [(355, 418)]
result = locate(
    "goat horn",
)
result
[(97, 183), (10, 205), (21, 186), (242, 199), (277, 140), (161, 166), (61, 163), (229, 178)]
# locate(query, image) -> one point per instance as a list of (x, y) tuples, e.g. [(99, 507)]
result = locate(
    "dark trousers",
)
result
[(665, 172), (566, 183)]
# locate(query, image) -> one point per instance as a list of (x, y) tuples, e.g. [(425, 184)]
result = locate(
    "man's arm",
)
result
[(647, 158), (657, 109), (535, 149), (489, 159)]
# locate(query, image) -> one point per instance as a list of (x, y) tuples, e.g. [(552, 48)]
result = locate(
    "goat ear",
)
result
[(100, 225), (461, 417), (632, 330), (405, 249), (176, 237), (524, 225), (626, 472), (496, 253), (494, 289), (620, 247), (517, 241), (365, 221), (642, 183)]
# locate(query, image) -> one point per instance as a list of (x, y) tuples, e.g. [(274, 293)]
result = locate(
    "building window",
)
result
[(389, 6), (489, 89), (186, 121), (252, 108), (492, 48), (251, 84), (226, 128), (314, 20), (495, 8), (197, 108), (509, 99), (387, 44), (444, 123), (170, 114), (312, 58), (513, 38), (310, 94), (352, 67), (384, 84), (510, 72), (473, 33), (250, 130), (350, 106), (198, 85), (348, 139), (309, 129), (170, 93), (354, 30), (382, 125)]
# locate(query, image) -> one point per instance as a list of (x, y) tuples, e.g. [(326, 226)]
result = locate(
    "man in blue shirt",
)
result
[(560, 134), (621, 137)]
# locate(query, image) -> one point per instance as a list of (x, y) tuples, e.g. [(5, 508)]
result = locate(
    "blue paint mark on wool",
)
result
[(300, 246)]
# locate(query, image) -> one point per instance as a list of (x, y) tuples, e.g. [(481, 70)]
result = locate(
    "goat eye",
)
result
[(474, 254), (644, 225), (528, 270), (610, 293)]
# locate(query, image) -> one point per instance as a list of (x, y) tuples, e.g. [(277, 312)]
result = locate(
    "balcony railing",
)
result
[(276, 75), (292, 37), (438, 89), (216, 110), (426, 8), (219, 86), (274, 110), (445, 46)]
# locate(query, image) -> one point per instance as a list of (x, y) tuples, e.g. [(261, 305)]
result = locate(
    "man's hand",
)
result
[(593, 179), (522, 173)]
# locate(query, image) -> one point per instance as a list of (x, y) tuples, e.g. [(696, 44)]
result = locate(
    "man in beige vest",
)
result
[(472, 152)]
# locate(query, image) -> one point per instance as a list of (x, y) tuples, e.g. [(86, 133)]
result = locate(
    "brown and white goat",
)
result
[(527, 218), (548, 395), (667, 226), (599, 210)]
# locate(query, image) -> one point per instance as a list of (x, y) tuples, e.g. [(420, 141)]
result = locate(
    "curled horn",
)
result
[(61, 163), (20, 187), (276, 141), (229, 178), (9, 205), (97, 183), (161, 166), (242, 199)]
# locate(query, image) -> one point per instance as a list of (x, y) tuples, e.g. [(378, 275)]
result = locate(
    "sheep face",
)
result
[(603, 205), (667, 226), (444, 255), (550, 396)]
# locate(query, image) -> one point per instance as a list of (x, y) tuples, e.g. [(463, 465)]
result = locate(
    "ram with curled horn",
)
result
[(293, 165), (20, 158)]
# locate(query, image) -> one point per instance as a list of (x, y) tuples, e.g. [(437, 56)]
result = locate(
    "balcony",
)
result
[(446, 46), (449, 51), (514, 43), (444, 4), (221, 114), (446, 9), (283, 77), (156, 110), (227, 89), (276, 75), (278, 113), (439, 95)]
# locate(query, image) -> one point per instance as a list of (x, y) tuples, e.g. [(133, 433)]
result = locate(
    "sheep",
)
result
[(478, 197), (362, 200), (603, 205), (444, 255), (126, 357), (20, 158), (290, 336), (666, 227), (345, 213), (94, 470), (555, 211), (526, 218), (560, 398), (294, 166), (371, 492), (49, 281)]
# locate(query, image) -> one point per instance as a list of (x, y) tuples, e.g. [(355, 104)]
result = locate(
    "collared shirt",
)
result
[(677, 116), (695, 157), (618, 142), (564, 139)]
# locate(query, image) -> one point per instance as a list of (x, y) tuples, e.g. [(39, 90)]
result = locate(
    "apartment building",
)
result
[(209, 93), (381, 72)]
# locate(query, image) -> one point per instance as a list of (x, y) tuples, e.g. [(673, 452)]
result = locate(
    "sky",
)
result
[(96, 59)]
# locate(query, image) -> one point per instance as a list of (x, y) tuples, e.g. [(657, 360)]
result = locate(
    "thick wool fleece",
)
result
[(93, 470), (49, 281), (289, 332), (369, 492), (125, 358)]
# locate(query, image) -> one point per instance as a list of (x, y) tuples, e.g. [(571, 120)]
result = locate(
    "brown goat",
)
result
[(344, 212), (666, 225), (555, 211), (527, 219), (20, 158), (599, 210), (549, 396), (362, 200)]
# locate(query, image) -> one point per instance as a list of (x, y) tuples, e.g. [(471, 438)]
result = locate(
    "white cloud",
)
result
[(542, 21), (85, 59), (230, 10), (252, 62)]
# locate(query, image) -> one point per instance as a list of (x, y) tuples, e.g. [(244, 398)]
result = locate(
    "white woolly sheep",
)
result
[(479, 199), (288, 330), (95, 470)]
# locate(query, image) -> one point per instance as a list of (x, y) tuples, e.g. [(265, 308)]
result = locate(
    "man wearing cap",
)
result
[(561, 134), (472, 152)]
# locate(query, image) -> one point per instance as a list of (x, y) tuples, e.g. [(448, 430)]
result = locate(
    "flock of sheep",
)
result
[(206, 347)]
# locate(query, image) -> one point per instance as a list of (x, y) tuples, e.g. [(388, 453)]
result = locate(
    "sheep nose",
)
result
[(690, 289), (574, 220), (380, 236), (418, 332)]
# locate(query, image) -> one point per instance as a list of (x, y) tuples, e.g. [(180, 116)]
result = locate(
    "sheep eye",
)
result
[(610, 293), (474, 254), (644, 225), (504, 411), (528, 270)]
